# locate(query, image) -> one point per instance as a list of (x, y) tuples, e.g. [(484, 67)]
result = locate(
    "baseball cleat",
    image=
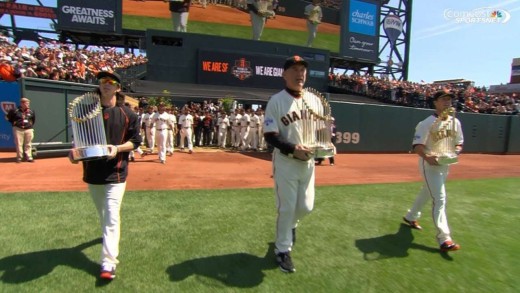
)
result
[(107, 274), (449, 245), (285, 262), (412, 224)]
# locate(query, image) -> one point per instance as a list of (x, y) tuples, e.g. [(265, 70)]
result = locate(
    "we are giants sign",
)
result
[(240, 69), (90, 15)]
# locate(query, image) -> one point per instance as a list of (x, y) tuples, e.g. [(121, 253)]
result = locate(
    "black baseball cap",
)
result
[(112, 75), (442, 94), (294, 60)]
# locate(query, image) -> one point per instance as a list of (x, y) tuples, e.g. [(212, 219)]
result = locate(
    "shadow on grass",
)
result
[(236, 270), (27, 267), (391, 245)]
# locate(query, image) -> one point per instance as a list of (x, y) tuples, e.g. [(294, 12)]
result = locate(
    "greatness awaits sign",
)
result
[(88, 15)]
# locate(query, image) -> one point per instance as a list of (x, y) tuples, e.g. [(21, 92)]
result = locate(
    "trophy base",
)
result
[(447, 160), (323, 152), (90, 153)]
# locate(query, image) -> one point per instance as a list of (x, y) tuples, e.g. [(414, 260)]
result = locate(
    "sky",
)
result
[(444, 44)]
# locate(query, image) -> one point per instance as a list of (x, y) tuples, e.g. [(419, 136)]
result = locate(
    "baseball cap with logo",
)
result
[(441, 94), (111, 75), (294, 60)]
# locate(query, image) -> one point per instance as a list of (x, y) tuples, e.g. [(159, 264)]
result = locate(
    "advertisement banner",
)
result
[(359, 37), (235, 69), (27, 10), (90, 15), (9, 99)]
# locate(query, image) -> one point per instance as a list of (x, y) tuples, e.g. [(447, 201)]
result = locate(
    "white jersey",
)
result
[(283, 116), (235, 120), (172, 121), (428, 134), (313, 13), (161, 121), (223, 123), (186, 121), (244, 120), (254, 121), (147, 119)]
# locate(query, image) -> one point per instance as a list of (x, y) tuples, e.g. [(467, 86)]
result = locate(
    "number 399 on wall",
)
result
[(348, 137)]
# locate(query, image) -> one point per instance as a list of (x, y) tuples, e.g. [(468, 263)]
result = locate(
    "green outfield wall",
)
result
[(361, 128)]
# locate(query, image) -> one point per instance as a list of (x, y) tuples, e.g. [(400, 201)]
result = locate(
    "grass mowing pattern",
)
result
[(203, 241)]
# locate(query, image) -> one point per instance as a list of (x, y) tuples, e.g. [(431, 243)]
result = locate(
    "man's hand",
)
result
[(302, 153), (71, 158), (432, 160), (112, 151)]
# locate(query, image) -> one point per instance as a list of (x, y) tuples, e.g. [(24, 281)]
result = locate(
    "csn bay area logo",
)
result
[(478, 15)]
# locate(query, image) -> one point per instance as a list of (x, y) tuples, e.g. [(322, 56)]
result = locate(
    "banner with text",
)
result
[(235, 69), (90, 15), (9, 99), (27, 10), (359, 37)]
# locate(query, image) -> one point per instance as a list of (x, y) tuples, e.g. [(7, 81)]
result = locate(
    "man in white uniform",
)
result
[(172, 131), (149, 130), (186, 129), (430, 132), (223, 125), (313, 14), (244, 129), (252, 138), (236, 129), (293, 169), (161, 123)]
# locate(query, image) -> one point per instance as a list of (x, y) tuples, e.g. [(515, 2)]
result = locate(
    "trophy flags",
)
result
[(393, 27)]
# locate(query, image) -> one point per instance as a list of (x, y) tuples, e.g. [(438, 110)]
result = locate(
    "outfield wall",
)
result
[(361, 128)]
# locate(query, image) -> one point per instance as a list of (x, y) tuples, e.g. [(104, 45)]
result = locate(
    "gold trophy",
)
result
[(443, 133), (265, 8), (316, 124), (88, 130)]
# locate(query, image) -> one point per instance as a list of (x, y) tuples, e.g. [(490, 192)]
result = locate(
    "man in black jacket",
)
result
[(22, 119), (106, 178)]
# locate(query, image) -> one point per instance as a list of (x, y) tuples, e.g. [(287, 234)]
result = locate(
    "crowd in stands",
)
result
[(419, 94), (56, 61), (64, 62)]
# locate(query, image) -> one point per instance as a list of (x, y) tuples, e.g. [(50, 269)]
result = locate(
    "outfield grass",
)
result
[(221, 240), (323, 40)]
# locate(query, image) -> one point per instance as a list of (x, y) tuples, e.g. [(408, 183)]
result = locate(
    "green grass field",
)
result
[(221, 240), (323, 40)]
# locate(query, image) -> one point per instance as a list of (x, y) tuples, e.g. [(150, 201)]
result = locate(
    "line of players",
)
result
[(166, 129)]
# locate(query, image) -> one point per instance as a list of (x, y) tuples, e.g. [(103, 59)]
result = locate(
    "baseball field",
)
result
[(205, 222)]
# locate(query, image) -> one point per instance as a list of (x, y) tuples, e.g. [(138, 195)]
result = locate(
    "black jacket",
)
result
[(22, 119), (121, 125)]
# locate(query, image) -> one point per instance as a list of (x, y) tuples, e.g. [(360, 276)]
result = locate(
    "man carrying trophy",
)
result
[(259, 10), (437, 141), (97, 118), (285, 123)]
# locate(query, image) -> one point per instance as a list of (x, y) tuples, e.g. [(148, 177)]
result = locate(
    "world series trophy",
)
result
[(316, 124), (90, 142), (265, 8), (314, 16), (444, 132)]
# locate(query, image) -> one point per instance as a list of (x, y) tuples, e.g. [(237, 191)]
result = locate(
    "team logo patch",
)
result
[(7, 106), (268, 121), (242, 69)]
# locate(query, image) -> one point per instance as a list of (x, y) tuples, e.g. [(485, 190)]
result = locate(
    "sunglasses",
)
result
[(108, 80)]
